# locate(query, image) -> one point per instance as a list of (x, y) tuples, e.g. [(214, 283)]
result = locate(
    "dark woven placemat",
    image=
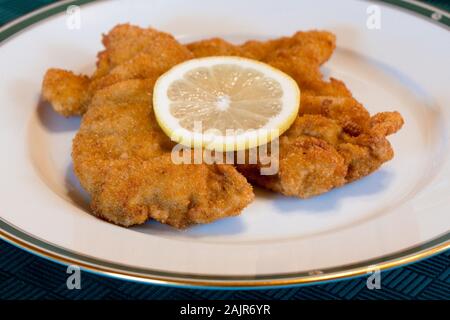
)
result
[(26, 276)]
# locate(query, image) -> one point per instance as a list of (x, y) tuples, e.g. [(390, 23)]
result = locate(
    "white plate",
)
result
[(397, 215)]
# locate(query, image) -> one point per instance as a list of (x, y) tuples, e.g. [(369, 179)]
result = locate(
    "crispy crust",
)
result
[(123, 159), (334, 140), (121, 155), (66, 91)]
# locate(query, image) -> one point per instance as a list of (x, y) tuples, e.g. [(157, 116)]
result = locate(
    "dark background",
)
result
[(26, 276)]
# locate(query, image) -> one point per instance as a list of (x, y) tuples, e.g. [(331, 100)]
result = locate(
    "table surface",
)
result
[(26, 276)]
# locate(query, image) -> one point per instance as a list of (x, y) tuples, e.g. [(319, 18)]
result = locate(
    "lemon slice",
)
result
[(225, 103)]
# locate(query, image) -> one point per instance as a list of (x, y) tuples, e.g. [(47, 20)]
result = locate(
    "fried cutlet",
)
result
[(334, 140), (121, 156), (123, 159), (130, 53)]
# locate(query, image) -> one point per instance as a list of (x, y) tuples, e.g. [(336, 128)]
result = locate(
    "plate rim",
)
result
[(44, 249), (23, 240)]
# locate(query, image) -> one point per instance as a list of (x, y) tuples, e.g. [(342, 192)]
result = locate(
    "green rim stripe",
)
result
[(433, 15), (180, 276), (13, 27)]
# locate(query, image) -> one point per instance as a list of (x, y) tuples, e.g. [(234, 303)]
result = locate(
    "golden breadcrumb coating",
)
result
[(123, 159), (120, 154), (130, 53), (334, 140), (66, 91)]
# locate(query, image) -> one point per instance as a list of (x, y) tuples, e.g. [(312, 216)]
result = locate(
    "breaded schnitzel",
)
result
[(130, 53), (123, 159), (121, 156), (334, 140)]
